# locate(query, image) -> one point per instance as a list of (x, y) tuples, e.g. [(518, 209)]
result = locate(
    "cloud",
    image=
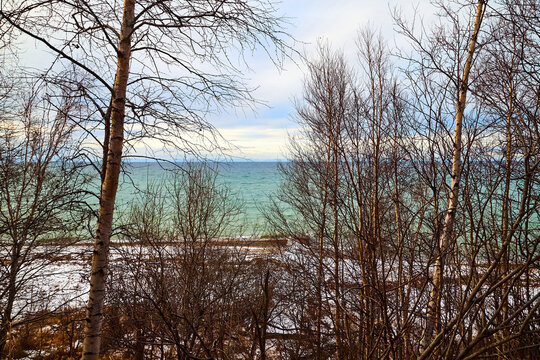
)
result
[(259, 142), (263, 134), (311, 21)]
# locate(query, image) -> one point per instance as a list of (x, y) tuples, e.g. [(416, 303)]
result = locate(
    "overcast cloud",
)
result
[(262, 134), (334, 21)]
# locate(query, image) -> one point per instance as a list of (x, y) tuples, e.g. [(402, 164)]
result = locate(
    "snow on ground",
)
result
[(64, 281)]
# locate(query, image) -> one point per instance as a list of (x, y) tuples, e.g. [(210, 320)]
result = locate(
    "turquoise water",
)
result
[(250, 182)]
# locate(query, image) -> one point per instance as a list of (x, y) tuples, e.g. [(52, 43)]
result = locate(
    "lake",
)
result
[(253, 183)]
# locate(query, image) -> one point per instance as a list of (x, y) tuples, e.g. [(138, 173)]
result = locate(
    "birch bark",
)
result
[(100, 257), (434, 305)]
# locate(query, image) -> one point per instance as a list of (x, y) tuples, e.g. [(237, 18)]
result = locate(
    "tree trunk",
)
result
[(7, 311), (100, 257), (262, 330), (505, 265), (434, 305)]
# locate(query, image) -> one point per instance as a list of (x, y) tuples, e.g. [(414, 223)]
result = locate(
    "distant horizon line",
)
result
[(139, 160)]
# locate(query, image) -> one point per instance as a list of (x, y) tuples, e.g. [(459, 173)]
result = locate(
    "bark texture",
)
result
[(100, 257), (447, 235)]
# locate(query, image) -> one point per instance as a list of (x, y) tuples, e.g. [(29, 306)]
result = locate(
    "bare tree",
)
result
[(338, 181), (447, 235), (463, 316), (184, 287), (41, 200), (151, 68), (416, 166)]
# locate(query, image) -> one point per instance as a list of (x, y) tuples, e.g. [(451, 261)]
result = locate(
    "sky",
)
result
[(263, 134)]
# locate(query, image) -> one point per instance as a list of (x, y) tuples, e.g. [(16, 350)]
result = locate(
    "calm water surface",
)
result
[(250, 182)]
